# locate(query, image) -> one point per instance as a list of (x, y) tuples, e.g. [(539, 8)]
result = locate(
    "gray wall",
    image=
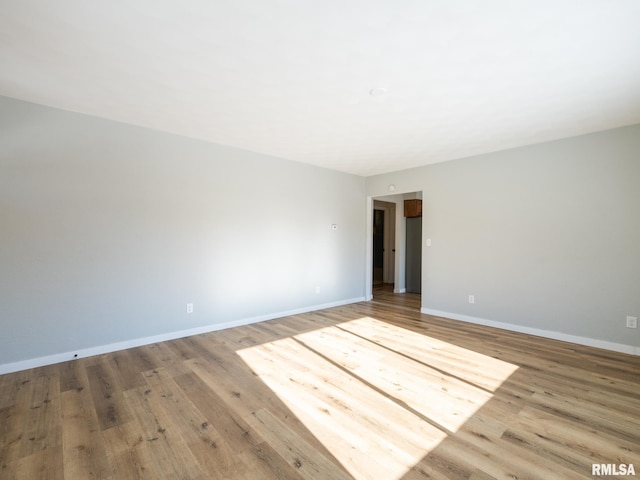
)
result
[(108, 230), (546, 236)]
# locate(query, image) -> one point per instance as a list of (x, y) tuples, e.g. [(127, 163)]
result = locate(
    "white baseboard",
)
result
[(589, 342), (137, 342), (399, 290)]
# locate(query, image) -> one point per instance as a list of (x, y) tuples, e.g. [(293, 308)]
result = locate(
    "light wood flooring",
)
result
[(373, 390)]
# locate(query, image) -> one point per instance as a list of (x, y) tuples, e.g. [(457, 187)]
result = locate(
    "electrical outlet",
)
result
[(189, 307), (472, 299), (632, 322)]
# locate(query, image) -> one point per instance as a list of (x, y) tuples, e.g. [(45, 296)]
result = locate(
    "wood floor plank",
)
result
[(299, 454), (367, 390), (83, 448), (128, 454), (208, 446), (10, 385), (255, 464), (477, 369), (12, 420), (253, 456), (42, 424), (128, 365), (166, 357), (173, 459), (220, 415), (71, 375), (17, 395), (343, 412), (452, 400), (243, 394), (627, 431), (239, 386), (107, 395), (590, 439), (45, 464)]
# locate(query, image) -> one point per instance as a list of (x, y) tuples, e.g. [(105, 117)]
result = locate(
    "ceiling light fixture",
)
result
[(378, 92)]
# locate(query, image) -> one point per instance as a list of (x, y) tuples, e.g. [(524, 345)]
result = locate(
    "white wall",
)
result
[(547, 237), (108, 230)]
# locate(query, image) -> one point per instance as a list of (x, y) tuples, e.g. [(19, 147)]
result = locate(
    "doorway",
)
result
[(378, 246), (387, 268), (383, 240)]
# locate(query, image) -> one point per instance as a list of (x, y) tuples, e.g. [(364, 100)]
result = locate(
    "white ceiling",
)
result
[(291, 78)]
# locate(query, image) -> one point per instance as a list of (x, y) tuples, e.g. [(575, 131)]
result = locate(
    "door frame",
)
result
[(389, 238), (400, 236)]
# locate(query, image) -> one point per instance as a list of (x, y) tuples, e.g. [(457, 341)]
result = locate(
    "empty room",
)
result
[(319, 240)]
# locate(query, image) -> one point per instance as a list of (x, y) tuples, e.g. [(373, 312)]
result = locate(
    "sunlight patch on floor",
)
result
[(378, 397), (481, 370)]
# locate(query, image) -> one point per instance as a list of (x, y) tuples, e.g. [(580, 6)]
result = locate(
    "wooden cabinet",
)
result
[(413, 208)]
